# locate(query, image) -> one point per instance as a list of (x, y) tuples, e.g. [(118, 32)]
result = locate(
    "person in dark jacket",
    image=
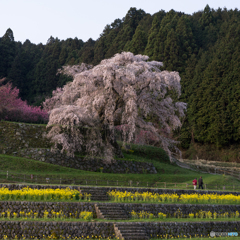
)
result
[(200, 182)]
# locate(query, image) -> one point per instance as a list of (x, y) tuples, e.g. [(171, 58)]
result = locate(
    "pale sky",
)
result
[(37, 20)]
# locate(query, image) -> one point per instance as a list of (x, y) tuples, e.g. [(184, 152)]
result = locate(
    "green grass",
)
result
[(195, 238), (34, 124), (203, 238), (171, 220), (167, 172), (128, 220)]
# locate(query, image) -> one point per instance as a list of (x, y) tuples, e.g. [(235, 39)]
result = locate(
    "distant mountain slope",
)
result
[(204, 47)]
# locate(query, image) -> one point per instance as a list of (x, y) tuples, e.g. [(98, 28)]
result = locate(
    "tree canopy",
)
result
[(124, 90)]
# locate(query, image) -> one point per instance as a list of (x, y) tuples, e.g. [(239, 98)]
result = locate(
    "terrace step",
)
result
[(97, 194), (130, 231), (110, 211)]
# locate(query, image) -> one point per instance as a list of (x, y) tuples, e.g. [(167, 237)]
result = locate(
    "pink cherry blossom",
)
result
[(125, 90), (12, 108)]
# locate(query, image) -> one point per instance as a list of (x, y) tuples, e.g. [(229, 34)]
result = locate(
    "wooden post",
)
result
[(165, 184), (7, 174), (175, 185), (186, 185)]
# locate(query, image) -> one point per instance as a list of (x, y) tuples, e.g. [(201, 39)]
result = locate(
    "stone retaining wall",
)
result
[(67, 230), (77, 207), (92, 164), (71, 230), (16, 136), (189, 228)]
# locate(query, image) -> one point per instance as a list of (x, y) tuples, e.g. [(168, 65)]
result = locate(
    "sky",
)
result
[(37, 20)]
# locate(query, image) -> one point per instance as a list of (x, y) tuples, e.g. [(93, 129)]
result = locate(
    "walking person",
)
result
[(194, 182), (200, 182)]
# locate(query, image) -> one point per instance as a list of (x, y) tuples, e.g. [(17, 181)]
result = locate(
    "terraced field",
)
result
[(39, 200), (61, 212)]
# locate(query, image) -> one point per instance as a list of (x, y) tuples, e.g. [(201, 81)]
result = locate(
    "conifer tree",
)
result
[(152, 36), (168, 23), (138, 42)]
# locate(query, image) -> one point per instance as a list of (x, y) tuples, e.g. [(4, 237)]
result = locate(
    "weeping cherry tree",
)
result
[(124, 90)]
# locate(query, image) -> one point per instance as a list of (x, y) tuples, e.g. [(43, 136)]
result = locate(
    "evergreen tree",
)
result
[(138, 42), (7, 52), (87, 52), (130, 23), (153, 34), (168, 23), (207, 17)]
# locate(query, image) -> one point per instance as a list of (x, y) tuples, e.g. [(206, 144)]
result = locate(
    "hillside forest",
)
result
[(203, 47)]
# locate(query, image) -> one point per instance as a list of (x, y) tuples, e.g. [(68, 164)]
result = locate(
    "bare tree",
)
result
[(123, 90)]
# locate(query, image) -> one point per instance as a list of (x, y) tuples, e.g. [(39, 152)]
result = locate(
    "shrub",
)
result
[(12, 108)]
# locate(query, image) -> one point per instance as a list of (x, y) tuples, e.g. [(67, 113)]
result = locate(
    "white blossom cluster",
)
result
[(123, 90)]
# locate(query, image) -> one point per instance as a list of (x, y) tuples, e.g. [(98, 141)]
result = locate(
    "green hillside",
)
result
[(204, 47), (22, 168)]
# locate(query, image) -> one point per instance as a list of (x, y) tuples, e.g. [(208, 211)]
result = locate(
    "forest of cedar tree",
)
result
[(203, 47)]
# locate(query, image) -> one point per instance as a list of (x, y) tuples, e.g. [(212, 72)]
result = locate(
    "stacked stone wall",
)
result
[(65, 230), (71, 230), (189, 228), (74, 208), (90, 164)]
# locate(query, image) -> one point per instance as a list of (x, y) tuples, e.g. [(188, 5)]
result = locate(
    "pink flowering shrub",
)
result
[(12, 108)]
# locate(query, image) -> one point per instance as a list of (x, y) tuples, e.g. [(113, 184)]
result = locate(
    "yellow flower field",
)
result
[(118, 196), (178, 214), (8, 214), (48, 194)]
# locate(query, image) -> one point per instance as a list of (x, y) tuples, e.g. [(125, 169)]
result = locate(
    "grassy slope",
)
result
[(204, 238), (167, 172)]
